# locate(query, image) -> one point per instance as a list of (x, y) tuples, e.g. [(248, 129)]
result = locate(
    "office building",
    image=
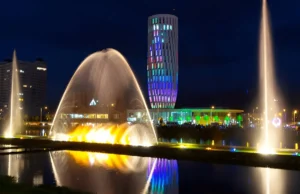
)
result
[(33, 83), (162, 65)]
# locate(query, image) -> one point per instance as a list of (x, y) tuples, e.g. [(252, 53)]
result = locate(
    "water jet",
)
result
[(94, 105), (14, 122)]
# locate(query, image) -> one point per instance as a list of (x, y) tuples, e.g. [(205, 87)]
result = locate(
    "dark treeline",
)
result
[(231, 135)]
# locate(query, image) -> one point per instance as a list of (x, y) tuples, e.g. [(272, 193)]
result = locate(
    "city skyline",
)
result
[(32, 76), (217, 49)]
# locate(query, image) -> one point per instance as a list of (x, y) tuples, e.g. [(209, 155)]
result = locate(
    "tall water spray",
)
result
[(14, 122), (269, 95), (95, 103)]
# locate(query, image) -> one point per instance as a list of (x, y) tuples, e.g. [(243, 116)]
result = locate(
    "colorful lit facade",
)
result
[(200, 116), (162, 65)]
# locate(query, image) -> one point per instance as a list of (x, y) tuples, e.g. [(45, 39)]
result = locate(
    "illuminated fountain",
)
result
[(94, 105), (111, 173), (270, 97), (14, 122), (269, 94)]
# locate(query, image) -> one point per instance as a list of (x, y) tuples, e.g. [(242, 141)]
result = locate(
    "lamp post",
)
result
[(211, 119), (41, 116), (284, 115), (109, 109), (256, 108), (295, 112)]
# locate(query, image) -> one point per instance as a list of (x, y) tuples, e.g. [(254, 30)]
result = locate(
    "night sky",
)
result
[(218, 43)]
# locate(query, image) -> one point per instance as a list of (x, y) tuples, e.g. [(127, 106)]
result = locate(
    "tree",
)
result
[(36, 118), (216, 119), (227, 120), (188, 119), (49, 117), (197, 118), (161, 121), (239, 119), (206, 119), (26, 117)]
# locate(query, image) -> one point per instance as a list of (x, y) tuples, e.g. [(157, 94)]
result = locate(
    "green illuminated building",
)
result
[(201, 116)]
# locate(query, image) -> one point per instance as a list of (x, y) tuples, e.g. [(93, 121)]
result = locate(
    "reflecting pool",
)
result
[(116, 174)]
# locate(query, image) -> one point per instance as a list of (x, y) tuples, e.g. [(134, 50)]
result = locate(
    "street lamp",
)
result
[(295, 112), (109, 109), (212, 107), (284, 115), (41, 116)]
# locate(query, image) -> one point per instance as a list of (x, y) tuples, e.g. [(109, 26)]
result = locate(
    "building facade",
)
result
[(199, 116), (162, 65), (33, 85)]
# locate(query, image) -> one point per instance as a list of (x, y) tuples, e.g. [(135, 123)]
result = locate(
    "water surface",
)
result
[(119, 174)]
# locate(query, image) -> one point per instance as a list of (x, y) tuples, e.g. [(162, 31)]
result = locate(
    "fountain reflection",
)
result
[(110, 173), (122, 163), (15, 165), (25, 168), (273, 181)]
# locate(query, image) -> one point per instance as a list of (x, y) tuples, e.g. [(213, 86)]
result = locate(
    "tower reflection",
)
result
[(164, 177)]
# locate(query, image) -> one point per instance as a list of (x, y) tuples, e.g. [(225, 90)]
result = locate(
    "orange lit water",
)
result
[(102, 133), (121, 163)]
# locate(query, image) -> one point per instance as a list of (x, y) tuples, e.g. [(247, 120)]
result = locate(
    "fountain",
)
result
[(14, 123), (267, 85), (94, 105)]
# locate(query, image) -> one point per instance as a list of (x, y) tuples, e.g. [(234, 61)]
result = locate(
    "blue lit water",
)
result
[(115, 174)]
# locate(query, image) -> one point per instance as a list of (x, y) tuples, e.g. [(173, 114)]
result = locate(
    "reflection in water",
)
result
[(123, 163), (267, 185), (25, 168), (38, 179), (164, 177), (273, 181), (15, 165), (110, 173)]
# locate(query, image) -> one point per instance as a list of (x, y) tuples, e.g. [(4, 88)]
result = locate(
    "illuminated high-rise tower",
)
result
[(162, 65)]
